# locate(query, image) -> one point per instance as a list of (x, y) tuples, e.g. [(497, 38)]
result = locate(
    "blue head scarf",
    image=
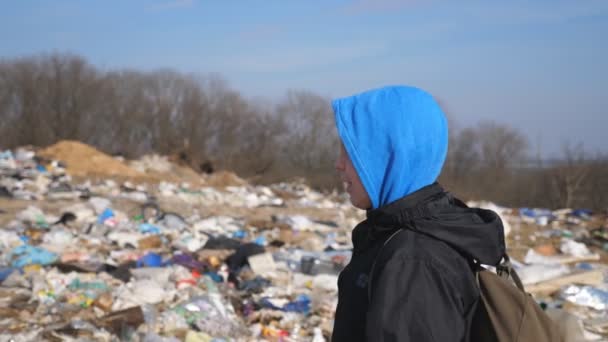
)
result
[(396, 137)]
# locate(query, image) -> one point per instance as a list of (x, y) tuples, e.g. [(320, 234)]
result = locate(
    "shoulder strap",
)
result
[(504, 269)]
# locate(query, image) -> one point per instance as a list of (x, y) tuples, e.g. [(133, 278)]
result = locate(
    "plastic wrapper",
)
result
[(536, 273), (586, 296), (211, 315)]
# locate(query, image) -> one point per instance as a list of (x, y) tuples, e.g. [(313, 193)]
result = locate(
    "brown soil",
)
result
[(225, 178), (84, 160)]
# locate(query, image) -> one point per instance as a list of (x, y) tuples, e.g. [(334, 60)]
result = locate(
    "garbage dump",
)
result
[(130, 251)]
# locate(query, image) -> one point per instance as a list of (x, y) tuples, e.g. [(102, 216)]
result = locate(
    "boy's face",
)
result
[(354, 187)]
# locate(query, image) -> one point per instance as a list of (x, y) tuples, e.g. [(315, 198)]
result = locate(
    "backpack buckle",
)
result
[(503, 269)]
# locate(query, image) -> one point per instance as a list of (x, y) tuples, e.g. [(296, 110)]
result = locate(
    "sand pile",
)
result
[(84, 160), (224, 178), (161, 168)]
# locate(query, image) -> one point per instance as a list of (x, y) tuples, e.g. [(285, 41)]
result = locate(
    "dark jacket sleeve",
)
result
[(413, 301)]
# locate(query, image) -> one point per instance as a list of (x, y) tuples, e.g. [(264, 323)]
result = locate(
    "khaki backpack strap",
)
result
[(505, 270), (517, 280)]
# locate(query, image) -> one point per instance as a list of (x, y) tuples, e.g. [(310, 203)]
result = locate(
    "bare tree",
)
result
[(596, 192), (310, 143), (568, 178), (500, 146), (46, 98), (463, 155), (310, 128)]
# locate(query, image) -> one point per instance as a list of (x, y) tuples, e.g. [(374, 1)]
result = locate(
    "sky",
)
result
[(540, 66)]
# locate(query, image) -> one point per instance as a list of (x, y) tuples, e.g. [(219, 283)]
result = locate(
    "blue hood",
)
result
[(396, 137)]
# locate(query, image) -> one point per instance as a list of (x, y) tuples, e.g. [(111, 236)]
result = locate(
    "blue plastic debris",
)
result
[(239, 234), (584, 214), (146, 228), (150, 260), (300, 305), (106, 214), (588, 296), (28, 255), (261, 240), (584, 266), (6, 155), (5, 272), (215, 277), (535, 212), (540, 216), (257, 284)]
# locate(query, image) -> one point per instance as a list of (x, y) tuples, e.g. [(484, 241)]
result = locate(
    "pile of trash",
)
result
[(104, 258), (561, 258)]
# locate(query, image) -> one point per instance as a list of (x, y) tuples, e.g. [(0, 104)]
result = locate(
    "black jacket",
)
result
[(423, 288)]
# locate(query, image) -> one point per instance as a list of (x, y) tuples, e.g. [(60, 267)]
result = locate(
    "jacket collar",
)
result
[(395, 215), (476, 233), (403, 211)]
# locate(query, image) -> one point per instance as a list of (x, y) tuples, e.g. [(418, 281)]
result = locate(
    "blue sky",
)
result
[(538, 65)]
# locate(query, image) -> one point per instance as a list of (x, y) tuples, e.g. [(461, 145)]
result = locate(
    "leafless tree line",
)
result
[(47, 98), (492, 162)]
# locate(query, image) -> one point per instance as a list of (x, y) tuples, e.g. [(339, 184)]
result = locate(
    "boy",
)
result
[(410, 276)]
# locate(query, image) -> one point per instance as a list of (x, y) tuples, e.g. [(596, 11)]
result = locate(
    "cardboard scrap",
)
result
[(548, 287)]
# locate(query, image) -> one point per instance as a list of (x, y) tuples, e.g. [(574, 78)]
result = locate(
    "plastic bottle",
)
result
[(318, 335), (295, 334), (150, 316)]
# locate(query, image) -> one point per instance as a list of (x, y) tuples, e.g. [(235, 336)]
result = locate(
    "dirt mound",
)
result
[(224, 179), (84, 160)]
